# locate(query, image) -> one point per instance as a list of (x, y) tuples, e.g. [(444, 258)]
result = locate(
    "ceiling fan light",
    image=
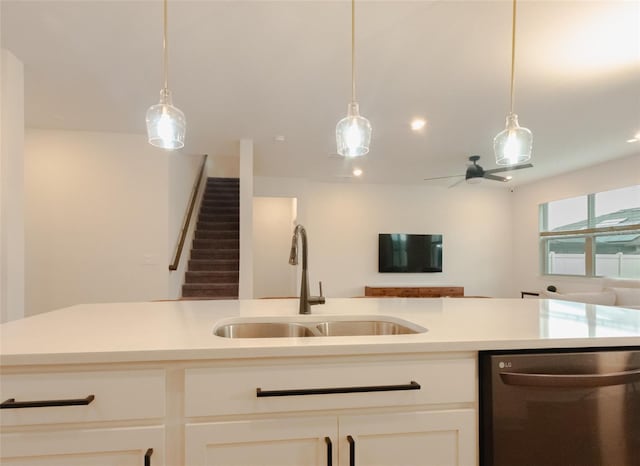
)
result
[(514, 144), (474, 180), (353, 133), (166, 124)]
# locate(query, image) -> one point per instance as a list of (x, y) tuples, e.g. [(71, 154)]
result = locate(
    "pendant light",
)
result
[(353, 133), (513, 145), (166, 124)]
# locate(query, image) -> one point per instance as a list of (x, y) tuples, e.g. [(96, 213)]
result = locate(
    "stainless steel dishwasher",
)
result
[(560, 407)]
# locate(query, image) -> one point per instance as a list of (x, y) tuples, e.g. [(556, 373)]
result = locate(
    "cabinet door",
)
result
[(272, 442), (94, 447), (422, 438)]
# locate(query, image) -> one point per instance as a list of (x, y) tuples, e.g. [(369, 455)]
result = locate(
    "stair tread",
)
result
[(213, 261), (215, 226), (208, 286), (207, 298)]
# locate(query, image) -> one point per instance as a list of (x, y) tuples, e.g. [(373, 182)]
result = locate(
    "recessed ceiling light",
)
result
[(418, 123), (635, 138), (357, 172)]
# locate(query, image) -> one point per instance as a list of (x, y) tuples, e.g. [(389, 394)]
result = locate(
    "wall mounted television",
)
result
[(409, 253)]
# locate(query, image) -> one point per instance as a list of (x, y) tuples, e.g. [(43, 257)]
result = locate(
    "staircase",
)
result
[(213, 270)]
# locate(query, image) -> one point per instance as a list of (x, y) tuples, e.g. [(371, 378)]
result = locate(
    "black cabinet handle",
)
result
[(327, 391), (11, 403), (329, 451), (147, 457), (352, 450)]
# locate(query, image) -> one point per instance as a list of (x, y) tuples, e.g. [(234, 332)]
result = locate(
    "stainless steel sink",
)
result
[(263, 330), (341, 326)]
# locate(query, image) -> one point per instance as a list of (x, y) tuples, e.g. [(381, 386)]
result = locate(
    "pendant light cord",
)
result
[(353, 50), (165, 53), (513, 52)]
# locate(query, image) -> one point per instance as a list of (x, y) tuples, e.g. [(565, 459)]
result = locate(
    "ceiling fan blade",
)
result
[(508, 169), (442, 177), (495, 178), (457, 183)]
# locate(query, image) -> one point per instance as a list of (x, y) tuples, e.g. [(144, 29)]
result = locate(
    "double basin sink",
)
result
[(321, 327)]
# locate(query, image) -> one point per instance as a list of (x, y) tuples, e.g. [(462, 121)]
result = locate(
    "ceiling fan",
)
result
[(475, 172)]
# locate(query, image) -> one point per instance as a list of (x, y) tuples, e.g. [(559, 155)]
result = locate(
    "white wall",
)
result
[(223, 166), (273, 223), (343, 221), (183, 174), (96, 219), (526, 269), (12, 248)]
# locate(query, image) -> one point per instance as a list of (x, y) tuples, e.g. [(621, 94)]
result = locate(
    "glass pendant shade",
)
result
[(353, 133), (166, 124), (513, 145)]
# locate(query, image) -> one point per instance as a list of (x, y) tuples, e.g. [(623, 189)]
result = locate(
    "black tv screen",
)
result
[(404, 253)]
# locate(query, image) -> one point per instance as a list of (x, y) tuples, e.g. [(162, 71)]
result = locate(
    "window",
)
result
[(596, 235)]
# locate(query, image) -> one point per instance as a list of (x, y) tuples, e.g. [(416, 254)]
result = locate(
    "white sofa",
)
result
[(611, 292)]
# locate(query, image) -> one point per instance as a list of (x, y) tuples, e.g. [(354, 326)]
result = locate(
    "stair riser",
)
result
[(226, 289), (230, 201), (223, 192), (223, 188), (221, 234), (214, 254), (215, 215), (218, 218), (214, 265), (223, 195), (212, 277), (210, 254), (216, 243), (216, 180), (220, 210), (220, 203), (186, 293), (217, 226)]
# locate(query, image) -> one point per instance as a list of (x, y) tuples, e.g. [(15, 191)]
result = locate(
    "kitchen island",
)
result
[(154, 385)]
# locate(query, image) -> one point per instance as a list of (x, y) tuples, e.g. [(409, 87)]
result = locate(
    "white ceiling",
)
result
[(264, 69)]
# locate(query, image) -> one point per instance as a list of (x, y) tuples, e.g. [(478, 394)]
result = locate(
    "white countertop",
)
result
[(183, 330)]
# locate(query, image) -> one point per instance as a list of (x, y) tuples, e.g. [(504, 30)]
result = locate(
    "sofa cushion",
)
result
[(607, 297), (611, 282), (627, 296)]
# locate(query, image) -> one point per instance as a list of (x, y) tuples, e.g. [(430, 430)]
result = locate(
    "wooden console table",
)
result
[(415, 291)]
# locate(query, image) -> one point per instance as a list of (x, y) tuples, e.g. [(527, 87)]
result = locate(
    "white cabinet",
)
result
[(425, 438), (441, 380), (370, 411), (97, 418), (133, 446), (420, 438), (361, 410), (284, 441)]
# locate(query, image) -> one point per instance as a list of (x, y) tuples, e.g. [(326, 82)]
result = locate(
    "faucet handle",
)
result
[(317, 299)]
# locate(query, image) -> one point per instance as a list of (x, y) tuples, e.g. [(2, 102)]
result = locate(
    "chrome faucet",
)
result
[(306, 301)]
